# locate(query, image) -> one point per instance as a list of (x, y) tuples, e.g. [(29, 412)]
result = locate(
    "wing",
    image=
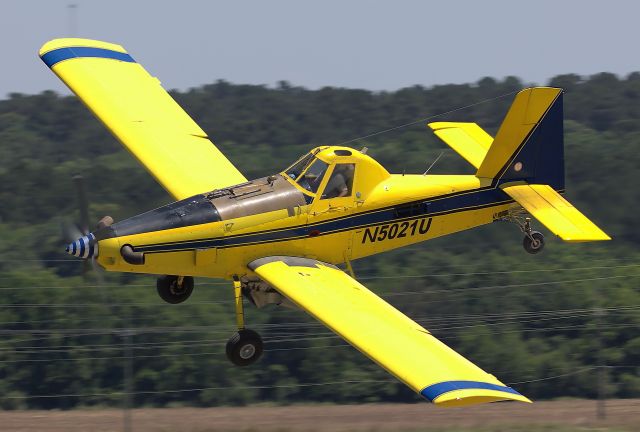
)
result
[(142, 115), (555, 212), (468, 139), (381, 332)]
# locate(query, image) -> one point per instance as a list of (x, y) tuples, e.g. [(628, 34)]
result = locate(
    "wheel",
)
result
[(534, 244), (172, 291), (244, 347)]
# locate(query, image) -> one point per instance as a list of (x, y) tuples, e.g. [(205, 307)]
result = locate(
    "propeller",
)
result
[(81, 242)]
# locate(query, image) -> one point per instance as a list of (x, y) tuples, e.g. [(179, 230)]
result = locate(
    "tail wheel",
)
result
[(174, 289), (244, 347), (534, 242)]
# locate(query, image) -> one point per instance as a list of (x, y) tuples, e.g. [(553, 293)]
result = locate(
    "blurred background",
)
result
[(268, 81)]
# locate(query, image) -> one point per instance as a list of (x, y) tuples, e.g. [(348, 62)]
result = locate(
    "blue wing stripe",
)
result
[(61, 54), (434, 391)]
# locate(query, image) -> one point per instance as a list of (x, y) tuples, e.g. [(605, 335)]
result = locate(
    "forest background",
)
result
[(547, 324)]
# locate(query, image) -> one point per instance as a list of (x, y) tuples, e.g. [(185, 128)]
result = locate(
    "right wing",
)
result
[(555, 212), (381, 332), (142, 115), (468, 139)]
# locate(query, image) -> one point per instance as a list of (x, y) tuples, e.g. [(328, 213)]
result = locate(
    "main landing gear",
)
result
[(174, 289), (245, 346)]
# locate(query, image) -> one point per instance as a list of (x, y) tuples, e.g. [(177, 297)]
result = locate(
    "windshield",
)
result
[(297, 168), (312, 177)]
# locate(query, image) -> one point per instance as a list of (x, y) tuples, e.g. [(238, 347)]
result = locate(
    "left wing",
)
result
[(142, 115), (381, 332)]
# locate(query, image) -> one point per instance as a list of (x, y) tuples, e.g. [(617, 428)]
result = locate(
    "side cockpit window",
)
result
[(340, 183)]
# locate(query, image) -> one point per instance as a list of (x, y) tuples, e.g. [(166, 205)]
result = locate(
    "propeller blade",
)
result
[(80, 241), (83, 203), (70, 232), (86, 267), (97, 271)]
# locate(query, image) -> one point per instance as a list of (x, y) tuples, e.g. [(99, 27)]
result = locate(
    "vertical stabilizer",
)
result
[(529, 145)]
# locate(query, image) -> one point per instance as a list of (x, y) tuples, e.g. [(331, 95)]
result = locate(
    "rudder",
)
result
[(529, 145)]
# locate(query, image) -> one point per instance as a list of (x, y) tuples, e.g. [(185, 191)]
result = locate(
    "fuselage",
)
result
[(294, 213)]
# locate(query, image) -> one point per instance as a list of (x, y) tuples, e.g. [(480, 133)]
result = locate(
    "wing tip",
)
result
[(468, 400), (59, 50), (55, 44), (463, 393)]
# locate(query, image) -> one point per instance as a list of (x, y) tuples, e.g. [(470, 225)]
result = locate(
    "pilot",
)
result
[(340, 181)]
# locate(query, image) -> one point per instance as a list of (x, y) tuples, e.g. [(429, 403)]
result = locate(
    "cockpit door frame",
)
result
[(325, 210), (321, 205)]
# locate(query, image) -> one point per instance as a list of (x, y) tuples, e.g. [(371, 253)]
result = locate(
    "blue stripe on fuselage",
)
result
[(61, 54), (434, 207)]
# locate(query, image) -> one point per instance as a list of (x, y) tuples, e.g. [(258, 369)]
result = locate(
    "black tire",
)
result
[(535, 245), (170, 291), (244, 347)]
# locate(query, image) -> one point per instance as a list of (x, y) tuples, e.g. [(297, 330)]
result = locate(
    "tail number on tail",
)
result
[(396, 230)]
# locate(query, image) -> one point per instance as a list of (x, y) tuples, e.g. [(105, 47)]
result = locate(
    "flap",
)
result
[(142, 115), (555, 212), (384, 334), (468, 139)]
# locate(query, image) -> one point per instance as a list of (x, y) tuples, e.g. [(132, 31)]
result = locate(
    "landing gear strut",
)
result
[(245, 346), (174, 289)]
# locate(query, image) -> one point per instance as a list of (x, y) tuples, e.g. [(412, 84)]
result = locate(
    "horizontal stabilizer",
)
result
[(468, 139), (555, 212)]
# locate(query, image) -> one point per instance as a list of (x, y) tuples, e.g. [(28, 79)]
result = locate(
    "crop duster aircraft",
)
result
[(280, 237)]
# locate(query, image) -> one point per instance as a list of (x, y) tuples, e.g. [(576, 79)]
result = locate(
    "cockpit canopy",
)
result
[(335, 172), (309, 172)]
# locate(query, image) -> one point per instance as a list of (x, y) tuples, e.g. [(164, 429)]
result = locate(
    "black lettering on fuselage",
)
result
[(424, 227), (370, 235), (396, 230)]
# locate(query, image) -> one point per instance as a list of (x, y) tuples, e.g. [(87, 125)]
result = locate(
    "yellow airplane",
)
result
[(280, 237)]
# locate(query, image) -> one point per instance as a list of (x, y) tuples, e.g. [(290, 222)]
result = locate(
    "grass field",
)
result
[(561, 416)]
